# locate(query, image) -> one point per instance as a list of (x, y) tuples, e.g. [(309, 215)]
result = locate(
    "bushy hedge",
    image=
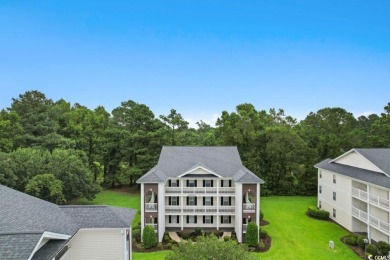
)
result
[(149, 238), (252, 235), (263, 233), (360, 241), (318, 213), (185, 234), (136, 234), (383, 247), (372, 249), (351, 240)]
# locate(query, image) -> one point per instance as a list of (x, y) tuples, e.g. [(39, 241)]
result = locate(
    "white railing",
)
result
[(152, 225), (361, 194), (244, 228), (173, 209), (199, 209), (150, 207), (199, 190), (359, 214), (172, 190), (226, 190), (378, 201), (379, 224), (226, 209), (248, 207)]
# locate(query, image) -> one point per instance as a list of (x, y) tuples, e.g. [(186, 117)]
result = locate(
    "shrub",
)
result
[(160, 246), (170, 245), (226, 239), (383, 247), (360, 241), (207, 233), (166, 237), (261, 245), (217, 233), (149, 238), (234, 236), (261, 215), (140, 248), (318, 213), (351, 240), (263, 233), (185, 234), (198, 231), (372, 249), (252, 236), (136, 234)]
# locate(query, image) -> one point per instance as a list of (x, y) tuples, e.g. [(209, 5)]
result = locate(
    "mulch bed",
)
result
[(357, 249), (264, 223)]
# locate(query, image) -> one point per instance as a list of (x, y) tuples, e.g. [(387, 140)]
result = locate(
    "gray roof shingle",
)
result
[(17, 246), (176, 160), (378, 156)]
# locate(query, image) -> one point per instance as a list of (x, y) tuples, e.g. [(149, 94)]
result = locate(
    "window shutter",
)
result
[(177, 183), (177, 219), (230, 201), (155, 221), (170, 202), (196, 218), (212, 203), (188, 219), (221, 183), (196, 183), (230, 219), (188, 183), (230, 183), (243, 220), (212, 217), (169, 183), (204, 183), (221, 201), (204, 219), (196, 201), (188, 200), (204, 201), (169, 219), (212, 183), (178, 201), (221, 219)]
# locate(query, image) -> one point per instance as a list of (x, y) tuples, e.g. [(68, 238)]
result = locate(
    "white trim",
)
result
[(47, 235), (199, 167)]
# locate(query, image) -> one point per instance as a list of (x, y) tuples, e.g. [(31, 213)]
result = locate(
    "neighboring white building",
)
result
[(206, 187), (34, 229), (355, 188)]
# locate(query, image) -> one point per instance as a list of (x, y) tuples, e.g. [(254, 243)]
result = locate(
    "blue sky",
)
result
[(199, 57)]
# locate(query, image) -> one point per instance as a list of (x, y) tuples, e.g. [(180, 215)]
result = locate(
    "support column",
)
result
[(218, 203), (181, 204), (142, 209), (368, 214)]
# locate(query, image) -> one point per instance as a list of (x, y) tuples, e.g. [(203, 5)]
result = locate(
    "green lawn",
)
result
[(296, 236), (115, 198)]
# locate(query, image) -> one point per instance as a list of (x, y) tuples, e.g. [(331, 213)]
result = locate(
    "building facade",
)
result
[(206, 187), (355, 188)]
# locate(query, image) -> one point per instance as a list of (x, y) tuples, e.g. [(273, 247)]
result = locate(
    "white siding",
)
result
[(379, 236), (97, 244), (357, 160)]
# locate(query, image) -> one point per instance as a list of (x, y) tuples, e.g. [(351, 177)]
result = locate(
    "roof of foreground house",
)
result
[(224, 161), (24, 219), (380, 157)]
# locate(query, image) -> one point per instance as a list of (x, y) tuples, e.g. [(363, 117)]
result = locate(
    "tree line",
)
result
[(59, 151)]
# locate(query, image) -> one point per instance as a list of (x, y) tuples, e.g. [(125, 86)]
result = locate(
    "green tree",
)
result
[(47, 187), (149, 238), (175, 123), (379, 134), (11, 130), (252, 234), (210, 247)]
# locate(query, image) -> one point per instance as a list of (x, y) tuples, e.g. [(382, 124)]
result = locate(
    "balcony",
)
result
[(374, 199), (200, 190), (199, 209), (359, 214), (172, 209), (150, 207), (155, 226), (379, 224), (249, 207), (227, 190)]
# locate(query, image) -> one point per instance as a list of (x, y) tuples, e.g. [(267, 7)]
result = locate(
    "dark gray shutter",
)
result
[(169, 219), (177, 219), (188, 219), (243, 220), (230, 219), (221, 219), (212, 203), (155, 221), (196, 183), (204, 219), (196, 219), (204, 201), (188, 200), (196, 201), (169, 201), (230, 201), (178, 201), (177, 183), (169, 183), (188, 182), (212, 183), (212, 219), (230, 183), (204, 183)]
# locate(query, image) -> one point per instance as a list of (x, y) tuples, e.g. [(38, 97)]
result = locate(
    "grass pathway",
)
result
[(296, 236)]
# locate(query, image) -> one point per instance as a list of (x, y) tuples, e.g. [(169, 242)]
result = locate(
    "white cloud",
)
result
[(365, 113), (210, 119)]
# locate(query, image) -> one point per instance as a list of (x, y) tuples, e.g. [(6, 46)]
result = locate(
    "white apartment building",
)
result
[(355, 188), (206, 187)]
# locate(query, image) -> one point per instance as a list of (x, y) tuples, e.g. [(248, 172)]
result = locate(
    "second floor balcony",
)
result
[(199, 190), (249, 207), (371, 220), (200, 209), (372, 198)]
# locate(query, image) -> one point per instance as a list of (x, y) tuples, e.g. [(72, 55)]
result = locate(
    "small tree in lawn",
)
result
[(252, 234), (149, 238)]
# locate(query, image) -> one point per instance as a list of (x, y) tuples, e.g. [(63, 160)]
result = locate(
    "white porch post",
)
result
[(142, 209), (182, 204), (218, 199)]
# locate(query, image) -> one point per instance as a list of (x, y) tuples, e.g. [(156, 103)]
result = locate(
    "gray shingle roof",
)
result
[(24, 218), (357, 173), (378, 156), (49, 250), (222, 160)]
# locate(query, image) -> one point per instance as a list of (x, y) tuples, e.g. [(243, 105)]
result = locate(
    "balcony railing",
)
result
[(155, 226), (374, 199), (150, 207), (249, 207), (200, 209), (200, 190), (379, 224), (357, 213), (173, 209), (227, 209)]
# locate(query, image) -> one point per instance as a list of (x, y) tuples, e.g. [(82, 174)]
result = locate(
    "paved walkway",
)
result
[(225, 234), (174, 236)]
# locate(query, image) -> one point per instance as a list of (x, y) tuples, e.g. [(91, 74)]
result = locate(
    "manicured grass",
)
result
[(151, 256), (115, 198), (296, 236)]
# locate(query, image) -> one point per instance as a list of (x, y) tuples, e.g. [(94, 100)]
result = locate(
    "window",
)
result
[(173, 183), (334, 213), (334, 179), (208, 183), (226, 201), (320, 189), (191, 219), (175, 201), (191, 201), (208, 201), (207, 219), (334, 195), (191, 183), (226, 183), (226, 219), (319, 204), (174, 219)]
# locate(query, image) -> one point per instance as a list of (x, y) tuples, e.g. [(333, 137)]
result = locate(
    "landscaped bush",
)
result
[(198, 231), (185, 234), (149, 238), (140, 248), (351, 240), (372, 249), (170, 245), (217, 233), (360, 242), (136, 233), (261, 215), (226, 239), (252, 235), (166, 237), (234, 236), (263, 233), (160, 246), (318, 213), (383, 247), (261, 245)]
